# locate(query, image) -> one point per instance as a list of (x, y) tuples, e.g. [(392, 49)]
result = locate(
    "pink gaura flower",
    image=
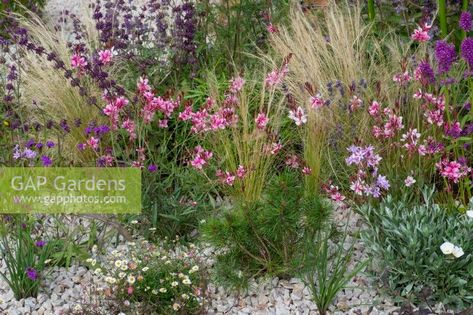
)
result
[(276, 77), (374, 109), (358, 186), (274, 148), (452, 170), (78, 61), (272, 28), (421, 34), (317, 101), (93, 143), (105, 56), (409, 181), (261, 121), (293, 161), (143, 85), (333, 192), (411, 138), (201, 158), (402, 78), (241, 172), (130, 126), (229, 178), (306, 170), (186, 114), (163, 123), (298, 116), (236, 84), (355, 103)]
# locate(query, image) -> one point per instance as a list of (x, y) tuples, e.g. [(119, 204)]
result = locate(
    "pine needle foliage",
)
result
[(267, 237)]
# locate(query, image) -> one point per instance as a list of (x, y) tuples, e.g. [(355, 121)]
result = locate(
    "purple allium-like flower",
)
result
[(39, 145), (465, 21), (424, 73), (382, 182), (40, 243), (46, 161), (81, 146), (152, 168), (445, 54), (31, 273), (50, 144), (467, 51)]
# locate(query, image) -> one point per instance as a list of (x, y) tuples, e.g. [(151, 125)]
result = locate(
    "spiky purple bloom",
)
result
[(31, 273), (46, 161), (445, 54), (467, 51), (465, 21), (50, 144)]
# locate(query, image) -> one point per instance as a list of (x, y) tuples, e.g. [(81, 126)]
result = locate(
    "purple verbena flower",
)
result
[(40, 243), (46, 161), (50, 144), (31, 273), (152, 168)]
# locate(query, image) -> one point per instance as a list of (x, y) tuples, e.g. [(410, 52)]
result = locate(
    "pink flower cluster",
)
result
[(391, 122), (78, 62), (317, 101), (154, 104), (105, 56), (113, 108), (203, 121), (433, 107), (201, 158), (298, 115), (276, 76), (333, 192), (367, 181), (421, 33), (402, 78), (452, 170), (228, 178)]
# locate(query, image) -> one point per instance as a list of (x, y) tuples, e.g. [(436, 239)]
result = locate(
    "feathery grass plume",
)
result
[(48, 95), (327, 46)]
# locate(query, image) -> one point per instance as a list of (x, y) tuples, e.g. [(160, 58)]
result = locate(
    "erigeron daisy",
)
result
[(131, 279), (168, 262), (181, 275), (145, 269), (163, 290), (98, 271), (121, 275), (89, 260), (118, 263), (176, 306), (194, 269), (134, 222), (185, 296), (93, 262), (124, 266), (154, 292), (174, 284), (186, 281), (115, 253), (110, 280)]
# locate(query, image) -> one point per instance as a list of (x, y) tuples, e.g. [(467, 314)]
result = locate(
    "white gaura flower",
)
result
[(447, 248), (469, 213), (458, 252)]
